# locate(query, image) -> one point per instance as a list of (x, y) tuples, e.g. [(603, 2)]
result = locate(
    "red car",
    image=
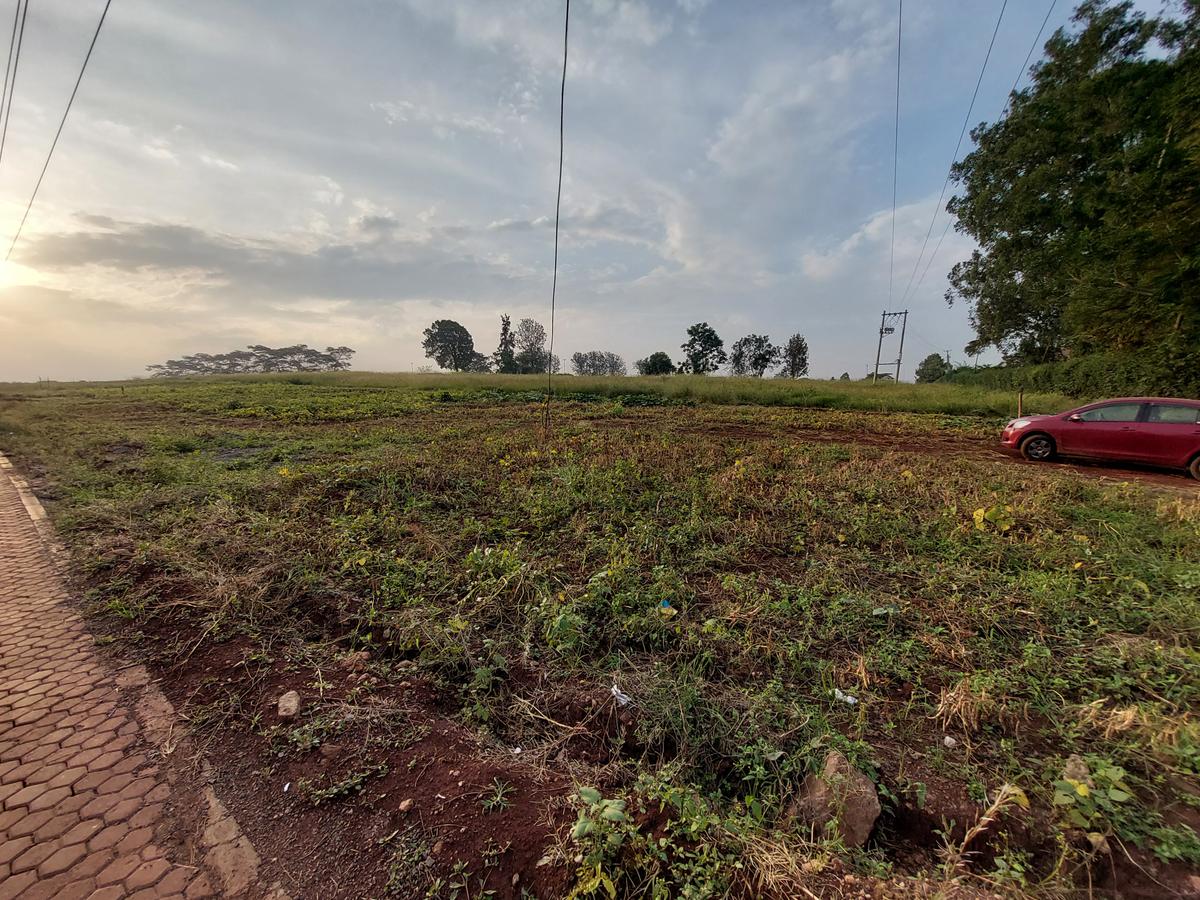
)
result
[(1160, 431)]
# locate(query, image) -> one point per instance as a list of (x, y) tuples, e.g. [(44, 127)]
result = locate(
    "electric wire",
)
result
[(896, 153), (61, 124), (562, 107), (10, 83), (1024, 68), (958, 145)]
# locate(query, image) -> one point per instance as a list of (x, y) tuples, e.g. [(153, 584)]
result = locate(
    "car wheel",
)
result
[(1038, 447), (1194, 467)]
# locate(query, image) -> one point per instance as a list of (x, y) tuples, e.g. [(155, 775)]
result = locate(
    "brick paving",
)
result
[(83, 803)]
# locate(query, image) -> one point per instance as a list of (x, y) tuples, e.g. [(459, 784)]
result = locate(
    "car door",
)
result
[(1170, 433), (1108, 431)]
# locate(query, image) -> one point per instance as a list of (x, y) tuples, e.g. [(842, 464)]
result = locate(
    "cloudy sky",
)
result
[(346, 171)]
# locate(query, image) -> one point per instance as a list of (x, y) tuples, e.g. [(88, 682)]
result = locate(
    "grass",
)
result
[(738, 571), (358, 387)]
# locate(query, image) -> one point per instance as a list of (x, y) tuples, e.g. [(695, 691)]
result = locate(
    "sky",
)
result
[(343, 172)]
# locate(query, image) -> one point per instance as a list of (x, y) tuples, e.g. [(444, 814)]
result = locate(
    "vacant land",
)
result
[(464, 600)]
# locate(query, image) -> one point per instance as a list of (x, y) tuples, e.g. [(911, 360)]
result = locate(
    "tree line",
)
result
[(257, 359), (522, 351)]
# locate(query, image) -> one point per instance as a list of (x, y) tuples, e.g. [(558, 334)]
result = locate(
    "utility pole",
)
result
[(885, 329), (879, 347)]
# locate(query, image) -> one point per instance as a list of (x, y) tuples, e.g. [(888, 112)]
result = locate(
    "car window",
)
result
[(1171, 414), (1113, 412)]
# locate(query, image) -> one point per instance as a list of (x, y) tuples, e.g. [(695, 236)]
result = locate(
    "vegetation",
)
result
[(704, 351), (932, 368), (450, 345), (504, 360), (657, 363), (257, 359), (753, 355), (740, 573), (1083, 199), (598, 363), (795, 357)]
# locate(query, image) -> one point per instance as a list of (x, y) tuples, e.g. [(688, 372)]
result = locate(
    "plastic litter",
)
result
[(621, 697), (845, 698)]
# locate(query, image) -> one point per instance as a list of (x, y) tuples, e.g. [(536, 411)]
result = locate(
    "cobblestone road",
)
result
[(84, 808)]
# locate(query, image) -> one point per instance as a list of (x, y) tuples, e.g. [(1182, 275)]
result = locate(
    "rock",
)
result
[(289, 706), (949, 743), (1076, 769), (842, 796), (355, 662), (406, 805)]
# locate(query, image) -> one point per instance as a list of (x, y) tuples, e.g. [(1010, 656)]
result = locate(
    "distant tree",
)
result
[(597, 362), (704, 351), (449, 345), (933, 368), (530, 343), (505, 357), (257, 358), (479, 363), (845, 376), (795, 357), (657, 363), (753, 355)]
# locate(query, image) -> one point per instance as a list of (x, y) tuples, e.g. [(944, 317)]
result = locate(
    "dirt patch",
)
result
[(372, 790)]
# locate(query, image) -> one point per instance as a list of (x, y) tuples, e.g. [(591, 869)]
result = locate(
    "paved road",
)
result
[(85, 811)]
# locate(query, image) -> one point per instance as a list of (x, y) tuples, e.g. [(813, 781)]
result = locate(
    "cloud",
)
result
[(442, 124), (215, 162), (381, 270)]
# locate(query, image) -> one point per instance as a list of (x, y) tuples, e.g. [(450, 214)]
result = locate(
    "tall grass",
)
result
[(954, 399)]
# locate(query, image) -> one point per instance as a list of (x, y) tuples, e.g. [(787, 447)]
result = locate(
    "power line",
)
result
[(58, 133), (8, 63), (562, 108), (1024, 67), (1029, 55), (896, 154), (10, 85), (961, 134)]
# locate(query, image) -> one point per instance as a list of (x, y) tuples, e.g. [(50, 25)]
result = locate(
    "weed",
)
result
[(495, 799), (347, 787)]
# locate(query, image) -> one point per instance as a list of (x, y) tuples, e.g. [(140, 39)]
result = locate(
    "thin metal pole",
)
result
[(879, 348)]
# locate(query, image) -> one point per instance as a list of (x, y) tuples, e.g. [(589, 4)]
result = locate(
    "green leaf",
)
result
[(589, 795)]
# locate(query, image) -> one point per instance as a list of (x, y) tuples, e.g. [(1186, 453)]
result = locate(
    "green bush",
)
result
[(1096, 375)]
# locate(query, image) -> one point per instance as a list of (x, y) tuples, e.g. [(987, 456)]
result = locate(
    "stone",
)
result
[(1076, 769), (406, 805), (289, 706), (355, 662), (840, 797)]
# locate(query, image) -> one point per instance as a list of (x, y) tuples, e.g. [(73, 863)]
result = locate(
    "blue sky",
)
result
[(345, 172)]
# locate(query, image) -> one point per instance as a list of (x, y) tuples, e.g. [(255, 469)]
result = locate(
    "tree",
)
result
[(934, 367), (704, 351), (795, 357), (597, 362), (505, 357), (449, 345), (1082, 198), (479, 363), (257, 358), (657, 363), (530, 343), (753, 355)]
